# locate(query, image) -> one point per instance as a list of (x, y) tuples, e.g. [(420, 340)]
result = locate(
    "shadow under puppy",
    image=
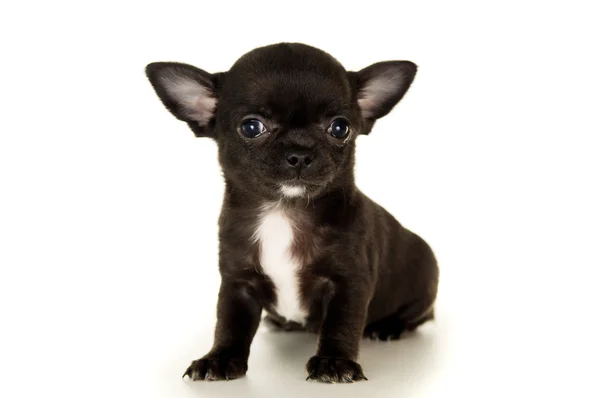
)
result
[(297, 238)]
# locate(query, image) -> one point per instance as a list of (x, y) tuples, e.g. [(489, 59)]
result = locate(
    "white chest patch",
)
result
[(275, 235)]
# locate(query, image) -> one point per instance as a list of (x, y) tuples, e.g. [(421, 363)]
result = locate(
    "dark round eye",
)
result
[(339, 128), (252, 128)]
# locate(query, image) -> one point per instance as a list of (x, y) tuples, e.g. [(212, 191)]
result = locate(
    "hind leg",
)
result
[(390, 328), (430, 316), (393, 326), (412, 313)]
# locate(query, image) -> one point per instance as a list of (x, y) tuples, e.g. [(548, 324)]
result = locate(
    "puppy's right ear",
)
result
[(189, 93)]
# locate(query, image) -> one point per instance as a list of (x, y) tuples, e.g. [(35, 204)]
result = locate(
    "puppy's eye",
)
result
[(339, 128), (252, 128)]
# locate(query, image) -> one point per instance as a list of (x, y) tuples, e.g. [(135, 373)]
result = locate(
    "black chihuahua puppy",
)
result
[(297, 238)]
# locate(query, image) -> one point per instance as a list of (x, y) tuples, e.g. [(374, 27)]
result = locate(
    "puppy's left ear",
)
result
[(380, 87), (189, 93)]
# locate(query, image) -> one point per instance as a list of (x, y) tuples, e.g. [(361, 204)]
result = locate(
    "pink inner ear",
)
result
[(205, 106), (377, 91), (197, 101)]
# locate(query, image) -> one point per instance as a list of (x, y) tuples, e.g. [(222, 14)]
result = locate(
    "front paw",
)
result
[(216, 368), (334, 370)]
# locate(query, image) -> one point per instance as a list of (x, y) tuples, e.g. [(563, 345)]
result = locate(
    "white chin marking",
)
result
[(293, 191)]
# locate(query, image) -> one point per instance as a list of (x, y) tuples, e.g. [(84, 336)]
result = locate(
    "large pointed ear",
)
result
[(380, 87), (189, 93)]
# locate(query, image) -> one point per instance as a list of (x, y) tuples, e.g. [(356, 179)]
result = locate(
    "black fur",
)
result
[(363, 273)]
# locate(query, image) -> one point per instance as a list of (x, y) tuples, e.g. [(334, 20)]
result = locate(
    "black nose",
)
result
[(299, 159)]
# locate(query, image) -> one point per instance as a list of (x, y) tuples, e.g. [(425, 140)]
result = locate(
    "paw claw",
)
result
[(216, 368), (334, 370), (210, 375)]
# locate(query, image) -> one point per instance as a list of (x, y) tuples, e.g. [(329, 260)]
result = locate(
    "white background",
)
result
[(109, 205)]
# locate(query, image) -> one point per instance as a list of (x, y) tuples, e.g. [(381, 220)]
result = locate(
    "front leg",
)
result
[(340, 336), (238, 316)]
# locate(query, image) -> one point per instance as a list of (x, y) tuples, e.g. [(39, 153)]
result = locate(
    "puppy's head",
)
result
[(285, 116)]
